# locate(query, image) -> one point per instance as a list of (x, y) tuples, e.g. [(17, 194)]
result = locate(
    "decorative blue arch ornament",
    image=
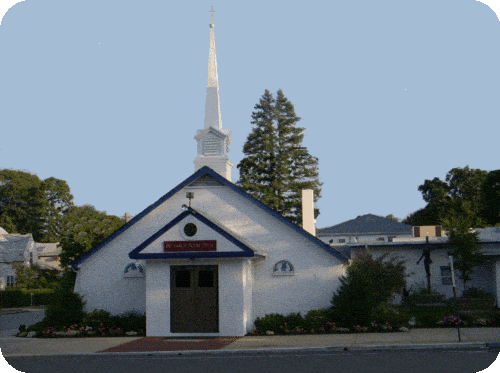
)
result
[(283, 268), (133, 270)]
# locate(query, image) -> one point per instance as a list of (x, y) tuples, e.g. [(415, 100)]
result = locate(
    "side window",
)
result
[(446, 275)]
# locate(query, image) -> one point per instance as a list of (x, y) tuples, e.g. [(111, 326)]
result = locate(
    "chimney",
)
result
[(127, 217), (308, 222)]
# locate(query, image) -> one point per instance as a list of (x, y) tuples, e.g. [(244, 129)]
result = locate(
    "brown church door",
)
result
[(194, 299)]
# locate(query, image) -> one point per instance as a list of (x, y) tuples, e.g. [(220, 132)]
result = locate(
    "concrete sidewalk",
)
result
[(416, 338)]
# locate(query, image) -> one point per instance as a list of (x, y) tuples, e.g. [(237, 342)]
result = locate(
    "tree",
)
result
[(84, 229), (462, 185), (30, 205), (491, 198), (22, 203), (276, 168), (35, 277), (392, 217), (59, 200), (463, 244)]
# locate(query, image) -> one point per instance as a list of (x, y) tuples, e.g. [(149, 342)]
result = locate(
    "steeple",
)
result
[(212, 104), (213, 140)]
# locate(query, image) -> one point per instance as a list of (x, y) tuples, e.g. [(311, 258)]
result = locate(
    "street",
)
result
[(408, 361)]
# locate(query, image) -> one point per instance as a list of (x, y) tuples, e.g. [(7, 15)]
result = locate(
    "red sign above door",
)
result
[(173, 246)]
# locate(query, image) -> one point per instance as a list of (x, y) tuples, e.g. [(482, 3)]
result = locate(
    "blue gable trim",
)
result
[(208, 171), (136, 253)]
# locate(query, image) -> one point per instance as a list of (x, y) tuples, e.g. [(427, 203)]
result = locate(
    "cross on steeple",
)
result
[(212, 11)]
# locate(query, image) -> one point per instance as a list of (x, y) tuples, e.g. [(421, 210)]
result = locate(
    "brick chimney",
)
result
[(308, 222)]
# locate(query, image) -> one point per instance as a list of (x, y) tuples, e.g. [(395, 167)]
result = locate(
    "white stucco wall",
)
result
[(482, 276), (101, 282), (234, 291)]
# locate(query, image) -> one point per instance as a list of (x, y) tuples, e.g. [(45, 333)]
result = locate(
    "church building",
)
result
[(207, 258)]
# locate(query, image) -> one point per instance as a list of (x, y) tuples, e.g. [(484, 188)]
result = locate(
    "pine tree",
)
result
[(276, 167)]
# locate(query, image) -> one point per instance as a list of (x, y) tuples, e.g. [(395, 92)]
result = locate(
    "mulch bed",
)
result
[(151, 344)]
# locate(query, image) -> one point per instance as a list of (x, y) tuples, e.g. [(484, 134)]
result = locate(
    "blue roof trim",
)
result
[(136, 253), (208, 171)]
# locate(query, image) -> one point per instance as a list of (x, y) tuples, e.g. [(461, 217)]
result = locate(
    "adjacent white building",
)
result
[(207, 258), (365, 228), (15, 248)]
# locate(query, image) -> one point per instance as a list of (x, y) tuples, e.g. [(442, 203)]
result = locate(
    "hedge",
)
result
[(14, 298)]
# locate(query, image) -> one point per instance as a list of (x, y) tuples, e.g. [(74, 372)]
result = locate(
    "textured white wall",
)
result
[(231, 296), (101, 281)]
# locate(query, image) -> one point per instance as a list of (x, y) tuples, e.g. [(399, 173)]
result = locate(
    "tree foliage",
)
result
[(461, 195), (463, 245), (491, 198), (276, 168), (31, 205), (84, 228), (368, 284), (35, 277)]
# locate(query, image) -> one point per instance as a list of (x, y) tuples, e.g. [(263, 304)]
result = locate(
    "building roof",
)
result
[(3, 231), (198, 174), (366, 224), (48, 249), (486, 236), (13, 247)]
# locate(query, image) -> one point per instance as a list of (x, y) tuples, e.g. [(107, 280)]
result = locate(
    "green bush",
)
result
[(13, 298), (96, 317), (129, 321), (396, 316), (477, 294), (368, 283), (271, 322), (316, 318), (66, 309)]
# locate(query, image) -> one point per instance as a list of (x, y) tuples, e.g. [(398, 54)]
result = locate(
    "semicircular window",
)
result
[(133, 270), (190, 229), (283, 268)]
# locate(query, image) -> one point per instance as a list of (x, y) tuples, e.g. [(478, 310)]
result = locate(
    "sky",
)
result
[(108, 95)]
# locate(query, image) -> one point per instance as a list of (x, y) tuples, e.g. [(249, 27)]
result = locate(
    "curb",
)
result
[(471, 345)]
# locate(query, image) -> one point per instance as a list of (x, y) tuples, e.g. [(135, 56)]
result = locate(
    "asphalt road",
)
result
[(407, 361), (12, 321)]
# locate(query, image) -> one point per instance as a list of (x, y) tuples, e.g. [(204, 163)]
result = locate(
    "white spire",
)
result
[(212, 104), (213, 141)]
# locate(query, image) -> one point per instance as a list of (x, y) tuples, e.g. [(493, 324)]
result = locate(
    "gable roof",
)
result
[(366, 224), (13, 247), (197, 175), (246, 250)]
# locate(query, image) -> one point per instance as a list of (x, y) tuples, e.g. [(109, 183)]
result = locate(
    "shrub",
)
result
[(271, 322), (66, 309), (96, 317), (316, 318), (477, 294), (129, 321), (368, 283), (395, 316)]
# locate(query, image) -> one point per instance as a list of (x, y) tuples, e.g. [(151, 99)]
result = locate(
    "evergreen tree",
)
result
[(276, 167)]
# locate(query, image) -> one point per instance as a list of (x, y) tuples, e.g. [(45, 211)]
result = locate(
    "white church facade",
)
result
[(207, 258)]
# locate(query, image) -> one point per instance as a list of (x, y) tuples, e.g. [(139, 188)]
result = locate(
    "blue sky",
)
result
[(108, 95)]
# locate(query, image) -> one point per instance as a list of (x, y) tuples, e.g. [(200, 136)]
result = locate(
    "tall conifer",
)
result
[(276, 167)]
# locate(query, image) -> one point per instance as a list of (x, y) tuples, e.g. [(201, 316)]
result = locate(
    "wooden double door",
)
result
[(194, 299)]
